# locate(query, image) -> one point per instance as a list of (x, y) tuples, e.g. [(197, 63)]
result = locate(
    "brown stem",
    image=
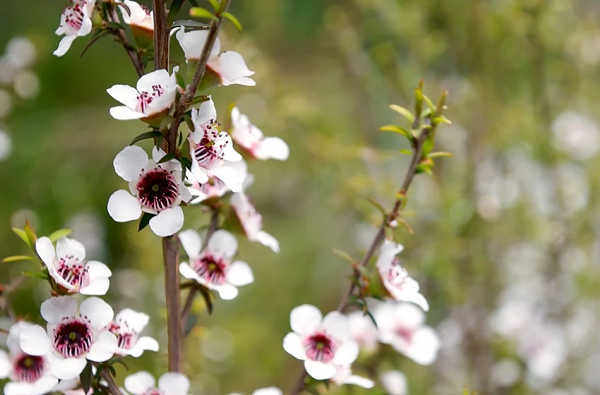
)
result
[(112, 386), (133, 55), (161, 35), (174, 327), (187, 97)]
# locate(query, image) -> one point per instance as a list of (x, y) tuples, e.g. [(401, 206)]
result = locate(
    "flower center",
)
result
[(211, 269), (73, 337), (406, 334), (209, 151), (319, 347), (145, 98), (73, 271), (125, 338), (74, 16), (157, 190), (28, 368)]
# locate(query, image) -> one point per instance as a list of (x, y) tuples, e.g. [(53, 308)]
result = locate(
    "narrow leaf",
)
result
[(145, 220), (215, 4), (404, 112), (147, 135), (22, 235), (86, 378), (31, 236), (439, 154), (344, 255), (207, 298), (190, 25), (405, 152), (41, 275), (175, 7), (199, 12), (17, 258), (168, 157), (396, 129), (59, 234), (190, 323), (233, 20), (377, 205)]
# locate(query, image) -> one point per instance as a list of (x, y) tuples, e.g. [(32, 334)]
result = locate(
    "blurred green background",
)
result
[(506, 232)]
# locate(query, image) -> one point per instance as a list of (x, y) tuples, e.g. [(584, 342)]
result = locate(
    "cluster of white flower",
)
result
[(328, 346)]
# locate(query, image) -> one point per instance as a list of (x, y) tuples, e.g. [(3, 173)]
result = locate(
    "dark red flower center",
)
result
[(73, 338), (73, 271), (210, 268), (157, 190), (319, 347), (29, 368)]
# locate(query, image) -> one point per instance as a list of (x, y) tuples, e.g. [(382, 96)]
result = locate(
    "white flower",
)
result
[(394, 382), (126, 327), (363, 330), (251, 221), (229, 66), (396, 279), (74, 335), (29, 374), (344, 375), (213, 266), (172, 383), (322, 343), (401, 326), (140, 17), (576, 135), (75, 21), (212, 151), (68, 267), (151, 98), (214, 187), (156, 188), (252, 140), (264, 391)]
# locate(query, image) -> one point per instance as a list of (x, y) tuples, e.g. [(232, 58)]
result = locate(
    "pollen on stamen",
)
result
[(210, 268), (73, 337), (157, 190)]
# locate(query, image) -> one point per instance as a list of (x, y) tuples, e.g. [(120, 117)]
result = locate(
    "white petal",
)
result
[(268, 391), (267, 240), (5, 365), (191, 242), (64, 45), (273, 147), (135, 320), (233, 66), (86, 25), (424, 346), (70, 247), (45, 250), (336, 324), (417, 299), (192, 42), (34, 341), (173, 383), (394, 382), (360, 381), (319, 370), (305, 319), (239, 274), (167, 222), (123, 207), (346, 354), (144, 343), (96, 287), (130, 162), (231, 176), (44, 385), (292, 344), (186, 271), (205, 114), (66, 368), (54, 309), (388, 252), (103, 348), (124, 94), (123, 113), (157, 77), (139, 382), (97, 311), (223, 243), (226, 291)]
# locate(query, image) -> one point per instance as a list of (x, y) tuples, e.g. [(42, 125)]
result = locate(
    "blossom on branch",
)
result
[(344, 375), (127, 326), (154, 188), (212, 151), (67, 266), (396, 279), (213, 266), (215, 187), (75, 21), (251, 139), (324, 344), (143, 383), (28, 374), (251, 221), (149, 101), (73, 335), (138, 17), (229, 67)]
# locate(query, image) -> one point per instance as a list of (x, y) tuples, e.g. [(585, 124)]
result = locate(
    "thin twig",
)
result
[(174, 326), (133, 55), (161, 35)]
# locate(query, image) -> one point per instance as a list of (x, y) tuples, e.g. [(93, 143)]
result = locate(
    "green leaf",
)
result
[(441, 119), (31, 236), (189, 25), (439, 154), (86, 378), (165, 122), (145, 220), (199, 12), (147, 135), (404, 112), (194, 3), (190, 323), (21, 233), (180, 80), (59, 234), (200, 99), (430, 104), (207, 298), (405, 152), (40, 275), (17, 258), (168, 157), (344, 255), (215, 4), (397, 129), (377, 205), (233, 20), (175, 7)]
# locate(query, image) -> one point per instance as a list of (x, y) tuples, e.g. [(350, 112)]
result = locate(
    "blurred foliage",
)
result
[(514, 205)]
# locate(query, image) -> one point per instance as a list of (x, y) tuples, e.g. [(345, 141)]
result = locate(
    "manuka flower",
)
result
[(251, 139), (149, 101), (363, 330), (73, 336), (28, 374), (214, 187), (138, 17), (396, 279), (212, 151), (229, 67), (251, 221), (155, 188), (401, 326), (127, 326), (344, 375), (172, 383), (324, 344), (67, 266), (75, 21), (213, 266)]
